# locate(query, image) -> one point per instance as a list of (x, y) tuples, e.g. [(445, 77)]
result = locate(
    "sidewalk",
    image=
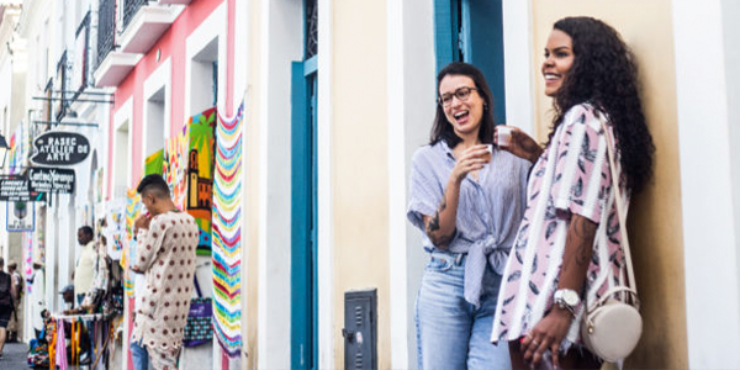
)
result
[(14, 356)]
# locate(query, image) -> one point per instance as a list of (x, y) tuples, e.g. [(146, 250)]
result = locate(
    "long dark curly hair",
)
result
[(604, 74), (442, 129)]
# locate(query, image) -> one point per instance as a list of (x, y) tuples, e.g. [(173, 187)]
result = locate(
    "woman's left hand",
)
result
[(547, 334)]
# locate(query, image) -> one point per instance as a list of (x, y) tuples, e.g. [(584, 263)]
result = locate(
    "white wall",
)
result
[(157, 109), (730, 15), (282, 40), (6, 78), (709, 224), (204, 42), (519, 66)]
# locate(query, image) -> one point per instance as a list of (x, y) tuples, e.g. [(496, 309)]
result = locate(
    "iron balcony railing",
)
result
[(106, 29), (130, 8)]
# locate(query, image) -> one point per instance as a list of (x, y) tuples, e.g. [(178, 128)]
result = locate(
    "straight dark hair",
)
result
[(442, 129)]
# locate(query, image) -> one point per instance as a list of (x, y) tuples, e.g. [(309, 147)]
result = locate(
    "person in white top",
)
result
[(85, 268)]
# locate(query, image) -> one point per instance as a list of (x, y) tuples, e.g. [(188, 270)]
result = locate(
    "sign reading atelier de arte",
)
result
[(51, 180), (60, 148)]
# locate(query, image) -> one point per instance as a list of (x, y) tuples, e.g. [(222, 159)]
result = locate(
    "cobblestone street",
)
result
[(14, 356)]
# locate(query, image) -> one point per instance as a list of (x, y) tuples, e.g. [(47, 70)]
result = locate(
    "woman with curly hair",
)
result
[(567, 251)]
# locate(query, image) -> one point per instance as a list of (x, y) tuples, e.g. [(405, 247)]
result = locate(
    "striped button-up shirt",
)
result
[(488, 213), (572, 177)]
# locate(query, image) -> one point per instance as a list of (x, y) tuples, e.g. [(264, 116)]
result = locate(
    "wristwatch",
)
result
[(568, 299)]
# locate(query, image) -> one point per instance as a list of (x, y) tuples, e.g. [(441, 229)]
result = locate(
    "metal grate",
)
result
[(360, 330), (312, 28), (106, 29), (130, 8)]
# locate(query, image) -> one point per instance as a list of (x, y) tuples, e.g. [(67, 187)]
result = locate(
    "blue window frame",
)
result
[(471, 31), (304, 200)]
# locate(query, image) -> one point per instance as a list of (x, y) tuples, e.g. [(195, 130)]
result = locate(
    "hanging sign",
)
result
[(60, 148), (20, 216), (51, 180), (19, 190)]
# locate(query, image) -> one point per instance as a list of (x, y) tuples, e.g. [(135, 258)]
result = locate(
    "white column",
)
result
[(518, 65), (282, 43), (710, 238), (396, 185), (325, 186), (411, 106)]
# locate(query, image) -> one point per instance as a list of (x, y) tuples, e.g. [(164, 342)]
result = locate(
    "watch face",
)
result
[(571, 298)]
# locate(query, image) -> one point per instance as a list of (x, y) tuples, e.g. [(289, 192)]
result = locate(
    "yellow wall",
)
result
[(360, 175), (655, 215)]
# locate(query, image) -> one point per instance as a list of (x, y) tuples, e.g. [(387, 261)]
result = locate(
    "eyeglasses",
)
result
[(462, 94)]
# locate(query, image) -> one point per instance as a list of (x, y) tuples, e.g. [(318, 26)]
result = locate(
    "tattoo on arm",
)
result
[(433, 227), (581, 235)]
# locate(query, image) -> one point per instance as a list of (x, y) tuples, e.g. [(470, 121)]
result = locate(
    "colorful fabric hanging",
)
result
[(61, 346), (52, 345), (227, 250)]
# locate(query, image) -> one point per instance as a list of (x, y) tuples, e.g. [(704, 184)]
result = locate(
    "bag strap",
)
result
[(618, 289), (620, 210), (197, 286)]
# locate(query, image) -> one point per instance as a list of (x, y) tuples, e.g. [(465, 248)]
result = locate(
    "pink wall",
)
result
[(171, 45)]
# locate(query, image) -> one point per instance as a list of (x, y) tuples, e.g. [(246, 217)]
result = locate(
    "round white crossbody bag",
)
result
[(611, 328)]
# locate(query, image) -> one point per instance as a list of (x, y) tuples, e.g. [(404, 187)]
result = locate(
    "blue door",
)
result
[(471, 31), (304, 203)]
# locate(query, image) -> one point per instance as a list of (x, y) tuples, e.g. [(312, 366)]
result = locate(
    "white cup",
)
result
[(504, 135)]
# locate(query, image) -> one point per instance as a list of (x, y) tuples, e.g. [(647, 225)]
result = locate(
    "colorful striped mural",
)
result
[(227, 233)]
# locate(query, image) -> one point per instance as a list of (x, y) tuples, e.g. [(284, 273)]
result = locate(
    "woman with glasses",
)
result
[(567, 252), (468, 198)]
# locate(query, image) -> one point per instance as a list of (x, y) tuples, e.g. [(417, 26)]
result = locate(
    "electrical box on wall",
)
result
[(360, 329)]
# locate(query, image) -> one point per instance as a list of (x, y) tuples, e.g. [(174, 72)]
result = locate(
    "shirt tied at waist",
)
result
[(480, 252)]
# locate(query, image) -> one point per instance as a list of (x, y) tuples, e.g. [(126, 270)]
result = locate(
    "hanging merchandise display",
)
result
[(227, 233), (28, 258), (174, 164), (188, 169), (74, 341), (115, 229), (133, 210)]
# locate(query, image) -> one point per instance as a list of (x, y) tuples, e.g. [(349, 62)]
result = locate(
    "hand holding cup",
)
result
[(471, 159), (517, 142)]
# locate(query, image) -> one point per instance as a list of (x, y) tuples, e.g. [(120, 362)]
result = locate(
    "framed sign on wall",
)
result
[(21, 216)]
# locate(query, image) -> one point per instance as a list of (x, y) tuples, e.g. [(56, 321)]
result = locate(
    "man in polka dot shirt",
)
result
[(165, 254)]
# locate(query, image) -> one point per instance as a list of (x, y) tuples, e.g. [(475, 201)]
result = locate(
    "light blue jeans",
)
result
[(453, 334), (139, 356)]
